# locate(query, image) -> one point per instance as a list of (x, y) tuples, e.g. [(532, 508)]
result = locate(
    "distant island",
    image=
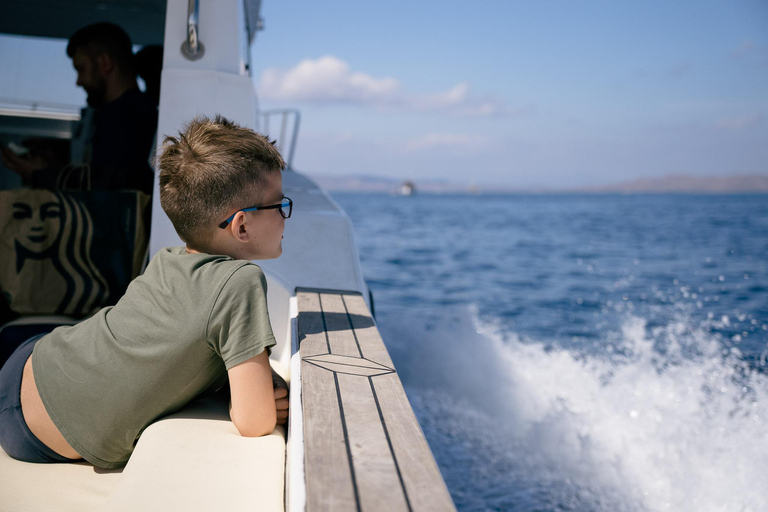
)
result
[(681, 183), (670, 184)]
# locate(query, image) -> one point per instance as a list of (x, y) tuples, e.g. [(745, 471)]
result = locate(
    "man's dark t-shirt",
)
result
[(122, 139), (124, 131)]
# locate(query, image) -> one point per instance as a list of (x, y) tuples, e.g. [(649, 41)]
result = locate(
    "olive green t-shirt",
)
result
[(175, 332)]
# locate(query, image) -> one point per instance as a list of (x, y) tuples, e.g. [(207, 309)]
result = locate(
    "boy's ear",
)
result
[(239, 227)]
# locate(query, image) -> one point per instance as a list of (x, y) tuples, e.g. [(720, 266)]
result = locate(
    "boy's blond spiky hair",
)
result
[(212, 168)]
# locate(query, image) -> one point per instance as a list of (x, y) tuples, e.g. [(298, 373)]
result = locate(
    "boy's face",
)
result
[(269, 224)]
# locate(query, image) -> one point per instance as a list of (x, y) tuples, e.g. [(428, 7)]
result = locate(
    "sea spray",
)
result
[(621, 342), (663, 418), (679, 433)]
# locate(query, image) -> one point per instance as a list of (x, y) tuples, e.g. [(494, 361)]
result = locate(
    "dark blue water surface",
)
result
[(567, 352)]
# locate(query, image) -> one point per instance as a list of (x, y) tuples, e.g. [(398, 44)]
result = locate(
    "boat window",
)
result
[(40, 105), (102, 151), (36, 71)]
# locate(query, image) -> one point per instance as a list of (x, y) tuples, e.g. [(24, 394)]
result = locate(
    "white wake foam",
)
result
[(652, 419), (665, 418)]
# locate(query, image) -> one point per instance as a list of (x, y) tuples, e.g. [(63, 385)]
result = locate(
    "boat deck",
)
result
[(364, 449)]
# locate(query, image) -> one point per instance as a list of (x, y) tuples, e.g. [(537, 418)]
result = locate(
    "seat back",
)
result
[(16, 332)]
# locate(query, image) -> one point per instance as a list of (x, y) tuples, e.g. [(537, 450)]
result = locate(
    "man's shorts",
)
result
[(15, 437)]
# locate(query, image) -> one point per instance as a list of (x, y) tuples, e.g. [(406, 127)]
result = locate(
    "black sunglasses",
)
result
[(285, 206)]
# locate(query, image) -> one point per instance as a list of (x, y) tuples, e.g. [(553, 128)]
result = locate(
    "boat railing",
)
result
[(288, 118), (355, 443), (192, 48)]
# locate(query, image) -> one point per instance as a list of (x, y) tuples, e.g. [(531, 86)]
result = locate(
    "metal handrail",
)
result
[(284, 113), (192, 48), (254, 20)]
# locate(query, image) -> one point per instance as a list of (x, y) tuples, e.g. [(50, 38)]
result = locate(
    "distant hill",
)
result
[(674, 183), (681, 183), (354, 183)]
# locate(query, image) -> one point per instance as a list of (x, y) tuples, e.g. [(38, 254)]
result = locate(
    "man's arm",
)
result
[(23, 165), (253, 406)]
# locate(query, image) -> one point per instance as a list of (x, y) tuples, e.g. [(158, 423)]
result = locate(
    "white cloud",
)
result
[(326, 79), (458, 101), (331, 80)]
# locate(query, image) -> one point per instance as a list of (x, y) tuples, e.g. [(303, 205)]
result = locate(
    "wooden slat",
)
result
[(312, 337), (324, 436), (340, 334), (364, 449), (368, 336), (418, 468), (330, 483), (422, 479), (377, 478)]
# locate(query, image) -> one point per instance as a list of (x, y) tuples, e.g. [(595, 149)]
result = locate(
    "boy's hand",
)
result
[(281, 398)]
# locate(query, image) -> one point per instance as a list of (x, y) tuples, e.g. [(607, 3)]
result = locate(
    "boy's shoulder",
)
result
[(197, 280), (216, 267)]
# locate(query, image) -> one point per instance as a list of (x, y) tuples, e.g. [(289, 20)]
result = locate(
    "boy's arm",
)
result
[(252, 406), (281, 398)]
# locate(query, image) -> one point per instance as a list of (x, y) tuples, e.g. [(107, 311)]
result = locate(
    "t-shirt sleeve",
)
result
[(239, 327)]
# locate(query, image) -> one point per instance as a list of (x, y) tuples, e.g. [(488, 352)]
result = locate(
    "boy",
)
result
[(197, 313)]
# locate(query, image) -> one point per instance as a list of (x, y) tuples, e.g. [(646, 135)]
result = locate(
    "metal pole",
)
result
[(192, 48), (294, 139)]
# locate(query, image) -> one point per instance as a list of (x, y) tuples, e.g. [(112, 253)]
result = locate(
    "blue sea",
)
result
[(579, 352)]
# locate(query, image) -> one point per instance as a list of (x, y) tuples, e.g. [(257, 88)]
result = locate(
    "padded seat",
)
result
[(193, 460), (196, 460), (62, 487)]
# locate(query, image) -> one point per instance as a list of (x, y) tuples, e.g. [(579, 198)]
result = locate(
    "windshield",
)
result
[(37, 74)]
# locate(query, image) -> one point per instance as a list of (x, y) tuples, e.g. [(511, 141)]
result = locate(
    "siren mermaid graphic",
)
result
[(49, 239)]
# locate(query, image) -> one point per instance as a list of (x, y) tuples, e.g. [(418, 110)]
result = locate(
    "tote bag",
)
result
[(70, 252)]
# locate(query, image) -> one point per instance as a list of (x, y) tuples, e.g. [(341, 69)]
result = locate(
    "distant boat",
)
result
[(408, 188)]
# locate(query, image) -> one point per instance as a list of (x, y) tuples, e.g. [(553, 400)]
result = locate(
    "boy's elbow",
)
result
[(255, 430), (256, 426)]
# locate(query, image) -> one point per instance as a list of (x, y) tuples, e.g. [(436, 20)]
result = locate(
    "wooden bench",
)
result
[(364, 449)]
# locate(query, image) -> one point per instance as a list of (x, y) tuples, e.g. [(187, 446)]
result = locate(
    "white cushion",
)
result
[(194, 460), (45, 487)]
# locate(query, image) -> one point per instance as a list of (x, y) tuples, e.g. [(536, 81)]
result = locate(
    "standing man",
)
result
[(117, 131)]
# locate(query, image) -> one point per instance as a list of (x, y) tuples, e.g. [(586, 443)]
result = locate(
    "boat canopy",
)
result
[(144, 20)]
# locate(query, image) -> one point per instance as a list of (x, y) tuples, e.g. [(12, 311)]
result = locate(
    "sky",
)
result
[(521, 94), (508, 93)]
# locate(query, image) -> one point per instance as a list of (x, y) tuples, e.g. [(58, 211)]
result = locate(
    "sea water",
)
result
[(566, 352)]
